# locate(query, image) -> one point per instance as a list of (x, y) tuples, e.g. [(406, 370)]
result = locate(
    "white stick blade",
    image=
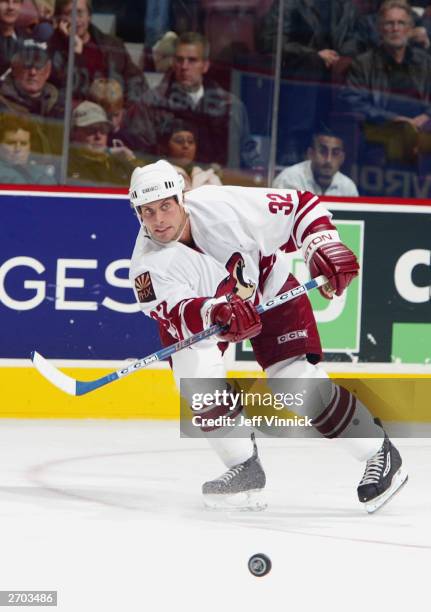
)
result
[(58, 379)]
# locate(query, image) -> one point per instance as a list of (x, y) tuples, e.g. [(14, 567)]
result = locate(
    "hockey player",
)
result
[(209, 256)]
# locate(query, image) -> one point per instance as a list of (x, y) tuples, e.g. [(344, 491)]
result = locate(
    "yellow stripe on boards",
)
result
[(147, 395), (151, 394)]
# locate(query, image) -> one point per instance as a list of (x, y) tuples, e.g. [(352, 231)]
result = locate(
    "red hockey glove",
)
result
[(240, 316), (337, 263)]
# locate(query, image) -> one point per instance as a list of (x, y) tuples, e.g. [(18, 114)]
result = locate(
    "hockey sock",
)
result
[(231, 442), (334, 411), (219, 422), (346, 418)]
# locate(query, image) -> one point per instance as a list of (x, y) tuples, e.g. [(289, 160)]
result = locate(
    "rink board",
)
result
[(151, 394), (64, 292), (64, 288)]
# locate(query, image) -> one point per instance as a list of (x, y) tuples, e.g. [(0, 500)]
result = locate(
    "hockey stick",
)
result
[(77, 387)]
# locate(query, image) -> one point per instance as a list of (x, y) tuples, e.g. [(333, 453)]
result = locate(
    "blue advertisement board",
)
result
[(64, 289)]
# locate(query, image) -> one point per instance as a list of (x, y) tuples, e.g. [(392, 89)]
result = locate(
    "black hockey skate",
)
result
[(239, 488), (383, 477)]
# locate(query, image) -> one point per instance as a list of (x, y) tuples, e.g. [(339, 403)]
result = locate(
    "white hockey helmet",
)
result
[(155, 182)]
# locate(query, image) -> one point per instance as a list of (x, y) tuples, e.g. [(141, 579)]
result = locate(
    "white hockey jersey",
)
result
[(238, 233)]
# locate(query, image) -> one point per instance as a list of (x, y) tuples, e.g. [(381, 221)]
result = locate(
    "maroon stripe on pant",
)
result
[(337, 415)]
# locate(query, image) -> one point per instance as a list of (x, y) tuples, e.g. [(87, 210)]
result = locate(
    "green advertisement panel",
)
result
[(339, 319), (385, 315)]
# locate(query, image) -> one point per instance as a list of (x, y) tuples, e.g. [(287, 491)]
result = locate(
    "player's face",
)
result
[(9, 11), (164, 219), (15, 147), (190, 66), (327, 157), (182, 147), (395, 28)]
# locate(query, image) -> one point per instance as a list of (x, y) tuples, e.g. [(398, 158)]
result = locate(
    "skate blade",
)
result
[(252, 500), (400, 478)]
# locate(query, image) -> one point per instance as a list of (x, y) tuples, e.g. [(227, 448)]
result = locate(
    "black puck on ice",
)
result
[(259, 565)]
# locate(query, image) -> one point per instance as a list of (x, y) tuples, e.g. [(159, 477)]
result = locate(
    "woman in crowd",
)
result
[(181, 148)]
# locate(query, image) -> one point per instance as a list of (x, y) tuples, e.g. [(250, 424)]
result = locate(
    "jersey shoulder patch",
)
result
[(144, 287)]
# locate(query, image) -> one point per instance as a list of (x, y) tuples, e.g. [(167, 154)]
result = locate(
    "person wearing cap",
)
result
[(26, 91), (91, 161), (109, 94), (18, 165), (96, 54)]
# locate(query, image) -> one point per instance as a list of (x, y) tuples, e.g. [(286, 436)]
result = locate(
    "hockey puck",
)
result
[(259, 565)]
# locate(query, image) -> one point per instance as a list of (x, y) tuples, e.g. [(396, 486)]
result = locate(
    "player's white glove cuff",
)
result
[(314, 241), (207, 307)]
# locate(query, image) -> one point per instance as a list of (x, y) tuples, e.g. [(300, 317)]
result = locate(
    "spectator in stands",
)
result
[(36, 18), (180, 147), (91, 161), (26, 91), (163, 52), (10, 35), (369, 29), (108, 93), (219, 118), (17, 164), (390, 87), (96, 54), (320, 173), (43, 28), (319, 39)]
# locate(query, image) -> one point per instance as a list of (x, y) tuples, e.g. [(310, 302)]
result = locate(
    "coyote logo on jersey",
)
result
[(235, 282), (144, 288)]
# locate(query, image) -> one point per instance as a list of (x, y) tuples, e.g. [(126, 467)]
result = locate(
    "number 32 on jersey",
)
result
[(279, 203)]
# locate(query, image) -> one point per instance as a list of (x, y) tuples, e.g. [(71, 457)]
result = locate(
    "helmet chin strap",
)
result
[(178, 235)]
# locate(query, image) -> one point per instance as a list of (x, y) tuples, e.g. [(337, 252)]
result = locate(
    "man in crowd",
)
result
[(91, 161), (390, 88), (26, 91), (320, 173), (219, 118)]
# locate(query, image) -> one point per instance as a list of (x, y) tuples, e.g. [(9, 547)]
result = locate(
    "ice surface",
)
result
[(109, 514)]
